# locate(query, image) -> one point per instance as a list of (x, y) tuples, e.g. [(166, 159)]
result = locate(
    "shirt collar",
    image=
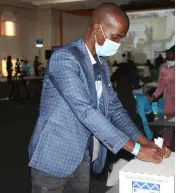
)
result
[(91, 56)]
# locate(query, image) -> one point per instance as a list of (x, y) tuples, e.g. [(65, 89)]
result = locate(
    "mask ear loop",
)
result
[(96, 39), (102, 32)]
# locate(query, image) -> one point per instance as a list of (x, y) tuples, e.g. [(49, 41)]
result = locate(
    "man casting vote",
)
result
[(79, 107)]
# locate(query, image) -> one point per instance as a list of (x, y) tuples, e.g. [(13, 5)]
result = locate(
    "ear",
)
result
[(96, 28)]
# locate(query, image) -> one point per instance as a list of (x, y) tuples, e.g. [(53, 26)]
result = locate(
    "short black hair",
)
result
[(172, 49)]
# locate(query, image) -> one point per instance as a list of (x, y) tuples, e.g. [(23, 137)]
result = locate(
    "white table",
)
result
[(140, 67), (152, 84), (163, 123), (33, 78), (114, 175), (114, 189)]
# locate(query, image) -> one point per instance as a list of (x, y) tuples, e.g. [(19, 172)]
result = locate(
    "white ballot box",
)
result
[(145, 177)]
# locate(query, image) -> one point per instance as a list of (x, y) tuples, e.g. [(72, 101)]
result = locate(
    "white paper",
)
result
[(153, 84), (172, 120), (159, 142)]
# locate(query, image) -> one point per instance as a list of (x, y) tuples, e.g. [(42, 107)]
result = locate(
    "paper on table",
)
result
[(113, 177), (172, 120), (159, 142)]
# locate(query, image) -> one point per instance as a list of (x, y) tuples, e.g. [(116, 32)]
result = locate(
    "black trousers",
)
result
[(78, 182)]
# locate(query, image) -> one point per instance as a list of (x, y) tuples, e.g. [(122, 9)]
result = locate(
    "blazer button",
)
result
[(110, 145)]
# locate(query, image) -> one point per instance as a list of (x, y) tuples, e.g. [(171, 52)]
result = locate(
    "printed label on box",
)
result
[(142, 187)]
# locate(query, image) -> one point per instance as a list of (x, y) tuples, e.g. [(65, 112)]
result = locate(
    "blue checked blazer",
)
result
[(68, 114)]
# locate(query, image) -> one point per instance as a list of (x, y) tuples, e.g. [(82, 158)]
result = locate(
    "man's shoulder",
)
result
[(64, 56), (66, 49)]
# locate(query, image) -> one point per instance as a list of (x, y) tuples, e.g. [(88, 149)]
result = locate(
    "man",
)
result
[(36, 66), (72, 110)]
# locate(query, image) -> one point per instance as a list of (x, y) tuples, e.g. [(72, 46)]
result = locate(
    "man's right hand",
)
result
[(151, 153)]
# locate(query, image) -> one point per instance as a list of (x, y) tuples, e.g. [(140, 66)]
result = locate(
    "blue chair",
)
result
[(161, 104), (158, 107)]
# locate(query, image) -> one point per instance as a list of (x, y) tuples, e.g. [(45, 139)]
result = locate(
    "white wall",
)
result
[(44, 23), (55, 30), (31, 24), (140, 38), (9, 45), (148, 33), (27, 34), (73, 27)]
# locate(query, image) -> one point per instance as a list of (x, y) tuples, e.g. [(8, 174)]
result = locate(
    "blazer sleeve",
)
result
[(63, 72), (119, 117)]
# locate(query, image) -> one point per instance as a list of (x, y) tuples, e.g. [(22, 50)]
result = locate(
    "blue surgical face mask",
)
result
[(109, 47), (170, 63)]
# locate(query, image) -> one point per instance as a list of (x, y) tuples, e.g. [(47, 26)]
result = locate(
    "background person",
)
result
[(145, 111), (123, 81), (166, 85), (27, 68), (18, 66), (9, 68), (36, 66)]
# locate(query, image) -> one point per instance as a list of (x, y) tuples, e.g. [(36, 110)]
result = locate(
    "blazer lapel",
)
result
[(106, 85), (88, 68)]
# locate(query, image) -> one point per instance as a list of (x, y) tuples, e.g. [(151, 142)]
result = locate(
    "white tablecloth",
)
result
[(152, 84)]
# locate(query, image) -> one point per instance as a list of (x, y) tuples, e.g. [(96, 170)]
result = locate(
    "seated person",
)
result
[(27, 68), (144, 109)]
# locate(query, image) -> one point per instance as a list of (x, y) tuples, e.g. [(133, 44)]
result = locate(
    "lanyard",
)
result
[(98, 85)]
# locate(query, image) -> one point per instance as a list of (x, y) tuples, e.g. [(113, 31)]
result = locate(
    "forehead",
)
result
[(118, 25)]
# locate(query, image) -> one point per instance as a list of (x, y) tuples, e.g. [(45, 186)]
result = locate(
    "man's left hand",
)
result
[(144, 141), (167, 151)]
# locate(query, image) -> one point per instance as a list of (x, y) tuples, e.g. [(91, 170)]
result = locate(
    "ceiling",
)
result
[(90, 4), (16, 3)]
